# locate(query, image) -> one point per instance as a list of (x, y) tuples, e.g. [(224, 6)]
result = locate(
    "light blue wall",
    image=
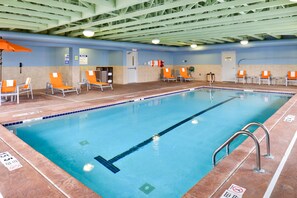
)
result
[(253, 56), (95, 56), (144, 56), (55, 56), (191, 58), (40, 56), (116, 58), (267, 55)]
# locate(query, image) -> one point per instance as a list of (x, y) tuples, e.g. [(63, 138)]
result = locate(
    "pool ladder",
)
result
[(245, 131)]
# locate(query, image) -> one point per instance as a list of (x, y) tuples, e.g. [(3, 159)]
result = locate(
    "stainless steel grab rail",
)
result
[(241, 132), (245, 128)]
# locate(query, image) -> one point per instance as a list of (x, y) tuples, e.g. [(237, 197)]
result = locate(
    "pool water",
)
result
[(159, 147)]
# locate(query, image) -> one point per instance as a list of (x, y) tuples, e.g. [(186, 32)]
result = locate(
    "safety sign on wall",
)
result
[(9, 161), (83, 59)]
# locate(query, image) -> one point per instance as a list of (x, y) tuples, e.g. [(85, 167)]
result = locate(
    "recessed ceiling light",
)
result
[(88, 33), (156, 41), (244, 42), (194, 45)]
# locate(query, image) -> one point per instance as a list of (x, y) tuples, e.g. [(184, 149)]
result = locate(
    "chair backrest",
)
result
[(27, 83), (292, 75), (167, 72), (183, 72), (241, 73), (56, 79), (8, 86), (91, 76), (265, 74)]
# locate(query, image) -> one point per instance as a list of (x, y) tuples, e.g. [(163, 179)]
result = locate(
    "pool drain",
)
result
[(83, 143), (147, 188)]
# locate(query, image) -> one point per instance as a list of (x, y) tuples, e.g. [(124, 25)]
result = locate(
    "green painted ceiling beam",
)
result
[(30, 6), (185, 15), (209, 15), (28, 19), (62, 5), (224, 22), (32, 14), (240, 29), (137, 13)]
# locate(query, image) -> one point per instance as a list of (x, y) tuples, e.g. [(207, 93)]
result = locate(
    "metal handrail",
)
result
[(266, 133), (241, 132)]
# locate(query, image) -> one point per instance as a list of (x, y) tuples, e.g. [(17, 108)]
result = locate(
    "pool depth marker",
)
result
[(109, 163)]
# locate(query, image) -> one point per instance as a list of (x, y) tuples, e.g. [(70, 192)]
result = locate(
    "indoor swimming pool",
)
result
[(157, 147)]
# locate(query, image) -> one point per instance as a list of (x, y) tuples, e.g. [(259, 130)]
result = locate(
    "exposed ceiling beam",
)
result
[(225, 22), (62, 5), (186, 15), (101, 9), (32, 13), (126, 16)]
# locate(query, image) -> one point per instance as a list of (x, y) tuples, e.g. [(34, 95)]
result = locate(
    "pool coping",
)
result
[(61, 177)]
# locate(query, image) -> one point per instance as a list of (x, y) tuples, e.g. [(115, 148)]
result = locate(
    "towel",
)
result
[(241, 72), (9, 83), (28, 81), (293, 74), (55, 75), (265, 73), (91, 73)]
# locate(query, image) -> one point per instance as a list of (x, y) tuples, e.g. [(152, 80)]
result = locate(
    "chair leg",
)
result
[(101, 88), (32, 94), (111, 87)]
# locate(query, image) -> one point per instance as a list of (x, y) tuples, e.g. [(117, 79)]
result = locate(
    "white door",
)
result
[(132, 64), (228, 65)]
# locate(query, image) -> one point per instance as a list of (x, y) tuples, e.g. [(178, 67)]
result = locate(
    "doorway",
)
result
[(228, 65), (132, 64)]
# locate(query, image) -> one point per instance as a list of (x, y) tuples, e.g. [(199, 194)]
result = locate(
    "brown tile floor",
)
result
[(39, 176)]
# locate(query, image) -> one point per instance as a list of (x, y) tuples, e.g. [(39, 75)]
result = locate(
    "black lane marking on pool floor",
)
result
[(109, 163)]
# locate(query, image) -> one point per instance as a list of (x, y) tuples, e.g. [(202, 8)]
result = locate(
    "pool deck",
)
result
[(40, 177)]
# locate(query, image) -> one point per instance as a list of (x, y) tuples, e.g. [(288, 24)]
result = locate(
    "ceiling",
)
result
[(174, 22)]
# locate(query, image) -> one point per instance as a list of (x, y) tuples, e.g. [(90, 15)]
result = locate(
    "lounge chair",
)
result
[(26, 88), (241, 75), (291, 77), (56, 84), (184, 74), (265, 76), (92, 81), (9, 88), (167, 75)]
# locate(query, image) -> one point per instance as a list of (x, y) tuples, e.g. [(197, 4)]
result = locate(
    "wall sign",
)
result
[(66, 59), (83, 59)]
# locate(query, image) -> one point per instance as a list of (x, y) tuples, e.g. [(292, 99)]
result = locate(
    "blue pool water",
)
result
[(159, 147)]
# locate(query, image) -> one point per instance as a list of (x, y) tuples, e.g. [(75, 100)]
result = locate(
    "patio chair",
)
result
[(167, 75), (26, 88), (291, 77), (184, 74), (56, 84), (92, 81), (241, 75), (265, 76), (9, 88)]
